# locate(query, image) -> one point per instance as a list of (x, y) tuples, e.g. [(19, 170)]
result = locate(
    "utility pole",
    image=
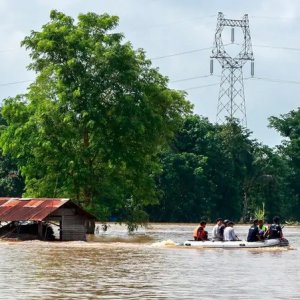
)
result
[(231, 100)]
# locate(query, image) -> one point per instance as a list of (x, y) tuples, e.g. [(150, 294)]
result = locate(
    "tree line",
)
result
[(101, 126), (215, 170)]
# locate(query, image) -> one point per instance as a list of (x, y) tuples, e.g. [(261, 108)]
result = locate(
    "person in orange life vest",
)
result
[(199, 233)]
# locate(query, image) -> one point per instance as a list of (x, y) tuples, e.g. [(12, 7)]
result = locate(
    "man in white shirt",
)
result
[(229, 234), (217, 235)]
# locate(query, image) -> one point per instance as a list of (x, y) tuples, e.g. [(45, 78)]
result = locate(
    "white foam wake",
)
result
[(166, 243)]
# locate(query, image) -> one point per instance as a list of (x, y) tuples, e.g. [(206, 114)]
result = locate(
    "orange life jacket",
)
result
[(202, 234), (195, 233), (199, 233)]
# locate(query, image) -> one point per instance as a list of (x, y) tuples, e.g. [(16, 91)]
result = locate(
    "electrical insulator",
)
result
[(252, 68), (232, 35), (211, 66)]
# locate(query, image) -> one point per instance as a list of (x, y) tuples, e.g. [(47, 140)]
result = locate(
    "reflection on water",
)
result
[(147, 265)]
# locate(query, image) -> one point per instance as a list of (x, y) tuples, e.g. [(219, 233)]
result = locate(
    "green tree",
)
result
[(194, 181), (266, 184), (209, 172), (11, 182), (185, 189), (92, 124), (288, 125)]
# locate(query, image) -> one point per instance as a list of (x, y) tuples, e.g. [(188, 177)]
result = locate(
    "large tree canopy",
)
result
[(92, 124)]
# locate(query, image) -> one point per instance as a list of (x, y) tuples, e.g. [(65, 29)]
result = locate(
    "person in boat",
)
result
[(275, 230), (229, 234), (218, 230), (253, 233), (222, 228), (200, 234), (262, 229)]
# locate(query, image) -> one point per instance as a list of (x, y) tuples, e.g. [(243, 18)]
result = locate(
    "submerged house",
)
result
[(60, 215)]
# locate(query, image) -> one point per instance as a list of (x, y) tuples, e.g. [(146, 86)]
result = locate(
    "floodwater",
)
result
[(148, 265)]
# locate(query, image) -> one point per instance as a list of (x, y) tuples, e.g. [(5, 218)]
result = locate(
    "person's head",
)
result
[(276, 220), (230, 223), (219, 221), (260, 222), (255, 222), (203, 223)]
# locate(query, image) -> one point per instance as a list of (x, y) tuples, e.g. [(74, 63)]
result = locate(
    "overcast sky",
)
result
[(166, 27)]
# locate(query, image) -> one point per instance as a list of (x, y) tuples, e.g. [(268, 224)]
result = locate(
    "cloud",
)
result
[(172, 26)]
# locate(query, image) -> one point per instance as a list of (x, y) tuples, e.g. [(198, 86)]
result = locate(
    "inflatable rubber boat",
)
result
[(238, 244)]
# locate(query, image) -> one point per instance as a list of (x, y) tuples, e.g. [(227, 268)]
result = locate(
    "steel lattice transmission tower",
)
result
[(231, 100)]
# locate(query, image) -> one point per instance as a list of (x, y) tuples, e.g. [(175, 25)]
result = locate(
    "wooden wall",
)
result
[(73, 226)]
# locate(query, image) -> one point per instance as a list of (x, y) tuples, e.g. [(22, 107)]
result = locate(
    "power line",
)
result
[(181, 53), (248, 78), (201, 86), (190, 78), (15, 82), (210, 48), (274, 17), (276, 80), (274, 47), (200, 49)]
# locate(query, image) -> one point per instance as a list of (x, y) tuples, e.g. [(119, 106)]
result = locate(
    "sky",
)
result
[(178, 36)]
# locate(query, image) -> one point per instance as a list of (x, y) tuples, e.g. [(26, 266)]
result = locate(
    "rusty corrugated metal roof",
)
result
[(29, 209)]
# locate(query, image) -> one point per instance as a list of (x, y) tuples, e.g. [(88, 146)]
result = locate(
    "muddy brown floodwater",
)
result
[(148, 265)]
